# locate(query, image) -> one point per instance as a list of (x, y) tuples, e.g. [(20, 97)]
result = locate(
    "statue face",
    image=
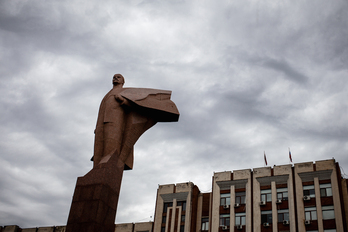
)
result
[(118, 79)]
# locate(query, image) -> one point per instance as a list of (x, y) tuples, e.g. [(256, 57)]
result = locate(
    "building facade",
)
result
[(286, 198)]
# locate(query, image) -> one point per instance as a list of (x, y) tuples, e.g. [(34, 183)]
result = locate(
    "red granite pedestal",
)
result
[(94, 204)]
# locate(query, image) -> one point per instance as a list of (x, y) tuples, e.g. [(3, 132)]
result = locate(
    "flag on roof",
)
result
[(264, 156)]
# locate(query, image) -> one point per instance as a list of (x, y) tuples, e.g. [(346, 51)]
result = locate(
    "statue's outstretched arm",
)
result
[(123, 101)]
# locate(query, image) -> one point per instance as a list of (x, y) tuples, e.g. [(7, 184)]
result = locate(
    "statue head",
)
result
[(118, 79)]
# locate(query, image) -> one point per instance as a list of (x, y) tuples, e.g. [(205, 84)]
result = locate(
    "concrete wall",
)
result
[(308, 171), (227, 181), (287, 170), (143, 226), (125, 227), (258, 172), (134, 227), (162, 189), (215, 217), (178, 192), (345, 199), (199, 212), (331, 165), (186, 187), (15, 228), (300, 168), (242, 175)]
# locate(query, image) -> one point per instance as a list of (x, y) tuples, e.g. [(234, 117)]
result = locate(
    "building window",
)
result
[(166, 205), (308, 190), (283, 215), (266, 195), (225, 199), (164, 219), (266, 216), (328, 212), (182, 204), (240, 197), (163, 229), (282, 194), (182, 228), (205, 224), (224, 220), (240, 219), (311, 213), (182, 218), (325, 190)]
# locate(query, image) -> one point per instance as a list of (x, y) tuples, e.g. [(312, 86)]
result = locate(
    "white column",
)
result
[(179, 217), (215, 208), (291, 202), (167, 229), (248, 196), (173, 216), (318, 204), (232, 201), (199, 213), (336, 201), (256, 206), (188, 213), (274, 207)]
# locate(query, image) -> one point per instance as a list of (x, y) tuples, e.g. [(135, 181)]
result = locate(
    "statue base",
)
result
[(95, 199)]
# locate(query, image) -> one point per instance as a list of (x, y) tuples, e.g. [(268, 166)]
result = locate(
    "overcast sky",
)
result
[(247, 76)]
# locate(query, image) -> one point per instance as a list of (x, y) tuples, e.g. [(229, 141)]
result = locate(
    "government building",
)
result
[(300, 197), (286, 198)]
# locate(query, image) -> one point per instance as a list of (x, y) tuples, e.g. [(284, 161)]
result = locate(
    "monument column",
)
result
[(124, 115), (95, 200)]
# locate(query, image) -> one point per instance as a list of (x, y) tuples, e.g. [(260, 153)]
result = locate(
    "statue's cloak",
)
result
[(146, 108)]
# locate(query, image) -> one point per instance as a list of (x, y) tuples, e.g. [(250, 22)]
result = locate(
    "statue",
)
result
[(125, 111), (124, 115)]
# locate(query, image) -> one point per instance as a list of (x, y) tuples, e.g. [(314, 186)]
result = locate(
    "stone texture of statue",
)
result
[(124, 115)]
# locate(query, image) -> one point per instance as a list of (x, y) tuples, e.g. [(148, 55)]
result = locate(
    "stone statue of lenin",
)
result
[(124, 115)]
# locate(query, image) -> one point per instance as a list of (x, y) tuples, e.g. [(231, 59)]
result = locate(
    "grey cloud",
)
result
[(290, 72), (246, 78), (281, 66)]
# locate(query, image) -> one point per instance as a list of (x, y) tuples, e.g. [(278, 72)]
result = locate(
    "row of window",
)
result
[(239, 198), (283, 215), (329, 230), (328, 212), (164, 219), (266, 216), (225, 219), (308, 190), (182, 228), (170, 204), (325, 190), (282, 194), (266, 195)]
